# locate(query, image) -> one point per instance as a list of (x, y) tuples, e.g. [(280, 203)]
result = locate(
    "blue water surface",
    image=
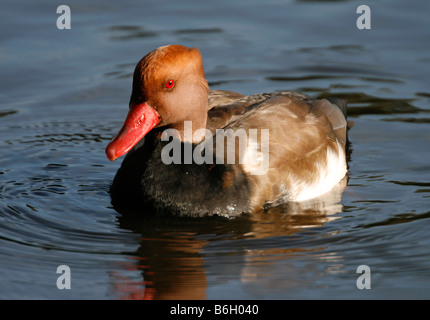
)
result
[(64, 94)]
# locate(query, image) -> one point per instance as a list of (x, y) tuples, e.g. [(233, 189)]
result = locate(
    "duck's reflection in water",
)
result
[(171, 261)]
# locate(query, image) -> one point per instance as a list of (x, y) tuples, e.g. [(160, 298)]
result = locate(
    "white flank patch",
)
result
[(326, 177)]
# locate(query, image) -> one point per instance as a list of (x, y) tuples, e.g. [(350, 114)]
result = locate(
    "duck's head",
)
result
[(169, 87)]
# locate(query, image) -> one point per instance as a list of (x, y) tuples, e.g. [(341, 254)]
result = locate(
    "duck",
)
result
[(191, 151)]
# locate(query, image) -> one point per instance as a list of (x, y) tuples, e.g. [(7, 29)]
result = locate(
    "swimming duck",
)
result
[(196, 152)]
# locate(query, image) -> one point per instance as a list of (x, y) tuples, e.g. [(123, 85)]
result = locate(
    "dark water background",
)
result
[(65, 93)]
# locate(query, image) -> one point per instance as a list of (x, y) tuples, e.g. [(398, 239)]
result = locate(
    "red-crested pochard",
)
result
[(275, 147)]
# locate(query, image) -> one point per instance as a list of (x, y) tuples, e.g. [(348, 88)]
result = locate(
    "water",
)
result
[(64, 93)]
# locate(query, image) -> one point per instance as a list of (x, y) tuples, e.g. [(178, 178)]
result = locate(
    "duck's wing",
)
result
[(227, 106), (295, 146), (222, 97)]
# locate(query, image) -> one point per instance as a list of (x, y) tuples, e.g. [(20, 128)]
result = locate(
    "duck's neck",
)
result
[(192, 128), (189, 130)]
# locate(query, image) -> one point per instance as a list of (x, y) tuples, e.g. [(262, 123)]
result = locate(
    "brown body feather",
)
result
[(304, 150), (301, 130)]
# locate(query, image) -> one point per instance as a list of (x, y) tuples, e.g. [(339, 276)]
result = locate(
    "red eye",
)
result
[(170, 84)]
